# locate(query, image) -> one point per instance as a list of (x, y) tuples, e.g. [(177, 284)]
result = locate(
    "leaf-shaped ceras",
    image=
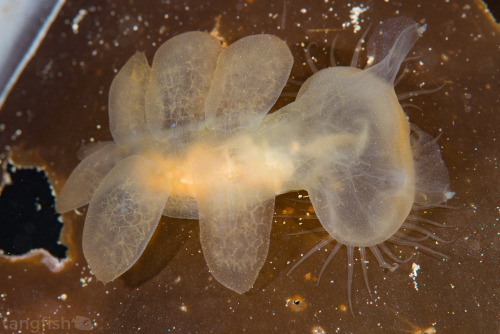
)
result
[(122, 216), (185, 148)]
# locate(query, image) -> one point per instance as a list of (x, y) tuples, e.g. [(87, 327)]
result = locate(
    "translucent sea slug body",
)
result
[(192, 140)]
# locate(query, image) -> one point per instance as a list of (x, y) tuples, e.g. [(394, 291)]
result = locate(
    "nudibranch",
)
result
[(192, 139)]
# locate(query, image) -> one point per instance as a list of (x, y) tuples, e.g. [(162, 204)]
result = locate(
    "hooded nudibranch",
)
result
[(192, 139)]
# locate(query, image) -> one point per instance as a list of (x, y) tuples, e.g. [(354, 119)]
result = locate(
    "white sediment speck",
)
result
[(415, 267), (354, 15), (77, 19)]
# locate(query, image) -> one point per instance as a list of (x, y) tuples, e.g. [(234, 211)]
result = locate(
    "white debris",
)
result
[(415, 267), (77, 19), (354, 15)]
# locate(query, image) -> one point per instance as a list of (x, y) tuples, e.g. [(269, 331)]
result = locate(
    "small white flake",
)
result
[(415, 267), (354, 15), (77, 19)]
